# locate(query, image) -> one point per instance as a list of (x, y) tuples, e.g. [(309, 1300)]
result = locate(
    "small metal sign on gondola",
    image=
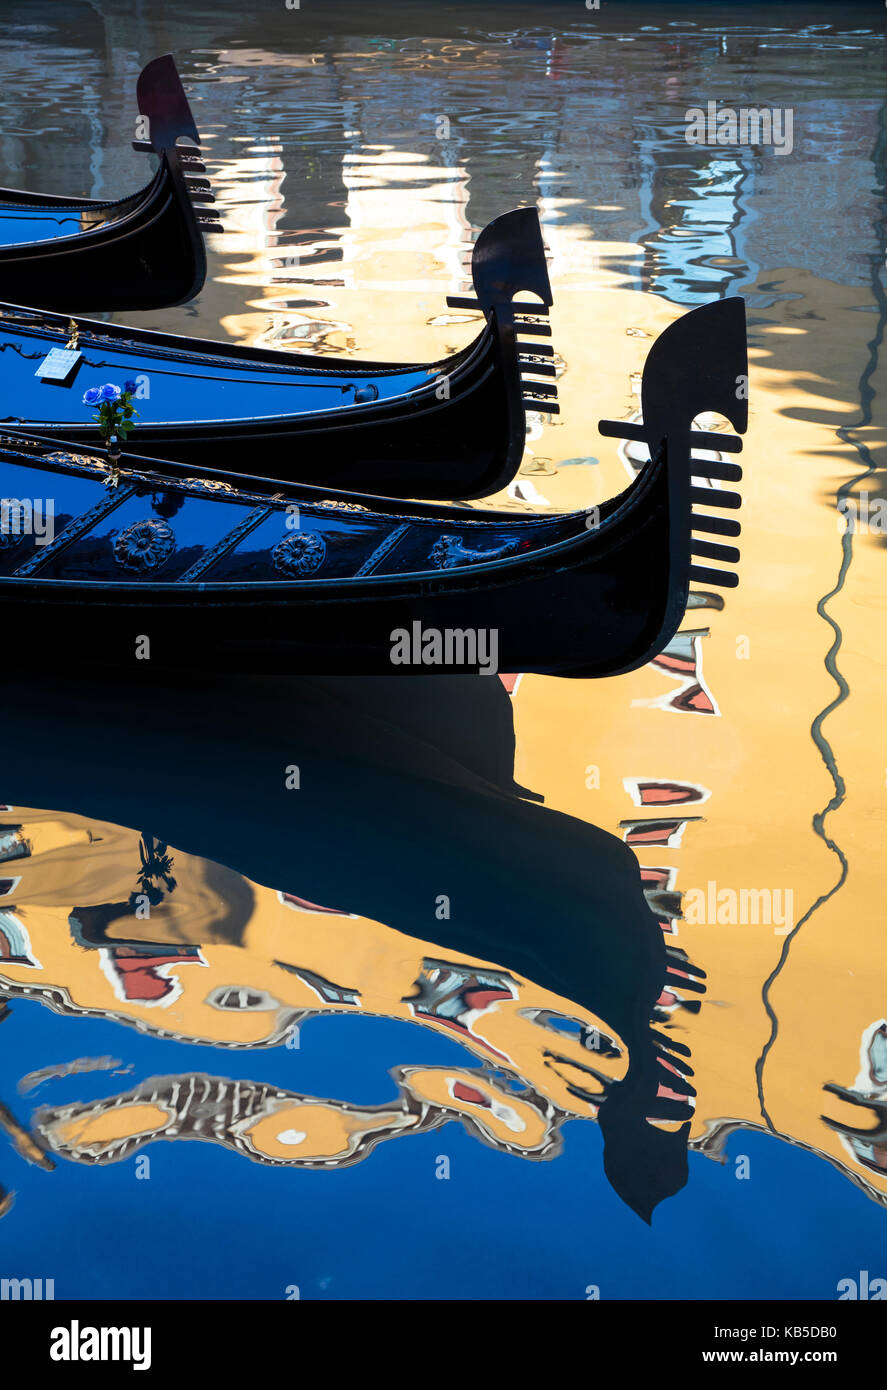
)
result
[(59, 363)]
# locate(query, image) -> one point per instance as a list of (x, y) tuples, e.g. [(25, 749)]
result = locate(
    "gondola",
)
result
[(449, 430), (237, 575), (145, 251)]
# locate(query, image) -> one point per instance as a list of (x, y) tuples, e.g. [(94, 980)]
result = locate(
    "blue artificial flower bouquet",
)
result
[(115, 410), (114, 417)]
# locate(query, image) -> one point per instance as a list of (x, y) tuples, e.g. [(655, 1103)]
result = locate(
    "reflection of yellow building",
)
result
[(268, 1125), (234, 964), (282, 1128), (730, 711), (230, 963), (760, 667)]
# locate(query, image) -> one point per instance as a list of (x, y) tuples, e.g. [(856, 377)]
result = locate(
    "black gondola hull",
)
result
[(580, 617), (239, 576), (461, 448), (452, 429), (154, 258)]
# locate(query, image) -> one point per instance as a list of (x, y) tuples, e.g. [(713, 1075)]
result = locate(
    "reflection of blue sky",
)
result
[(211, 1224), (694, 251)]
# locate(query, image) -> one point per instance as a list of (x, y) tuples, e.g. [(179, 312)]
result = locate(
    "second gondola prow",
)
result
[(452, 429), (508, 259)]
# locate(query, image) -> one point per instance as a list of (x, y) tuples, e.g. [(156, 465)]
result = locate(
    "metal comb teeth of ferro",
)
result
[(530, 320), (720, 470)]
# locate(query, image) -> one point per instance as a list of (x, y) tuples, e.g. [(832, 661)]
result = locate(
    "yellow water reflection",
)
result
[(172, 968), (760, 663), (790, 938)]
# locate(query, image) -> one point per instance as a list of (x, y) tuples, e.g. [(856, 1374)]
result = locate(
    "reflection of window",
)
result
[(325, 989), (658, 791), (878, 1055), (15, 946), (574, 1030), (13, 845), (240, 997), (658, 831), (872, 1156)]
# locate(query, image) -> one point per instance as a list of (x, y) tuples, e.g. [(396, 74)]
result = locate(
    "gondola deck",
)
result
[(239, 574)]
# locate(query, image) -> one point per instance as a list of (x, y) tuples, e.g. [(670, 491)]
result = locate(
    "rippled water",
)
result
[(391, 1005)]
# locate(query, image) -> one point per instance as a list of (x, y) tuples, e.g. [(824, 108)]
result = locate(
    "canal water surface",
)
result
[(396, 1024)]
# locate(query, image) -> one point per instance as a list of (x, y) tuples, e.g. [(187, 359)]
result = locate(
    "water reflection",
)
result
[(405, 821), (334, 166)]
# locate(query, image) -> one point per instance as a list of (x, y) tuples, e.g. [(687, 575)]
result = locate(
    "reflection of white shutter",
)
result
[(13, 845), (18, 944), (242, 999)]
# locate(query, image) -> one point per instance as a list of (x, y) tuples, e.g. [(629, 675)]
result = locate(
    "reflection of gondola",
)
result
[(140, 252), (406, 793), (343, 583), (448, 429)]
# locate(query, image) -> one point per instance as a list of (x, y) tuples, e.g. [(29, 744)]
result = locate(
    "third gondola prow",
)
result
[(144, 251)]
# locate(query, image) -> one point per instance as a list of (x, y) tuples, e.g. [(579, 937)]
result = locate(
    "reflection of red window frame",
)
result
[(662, 878), (643, 792), (640, 832), (121, 966), (693, 696)]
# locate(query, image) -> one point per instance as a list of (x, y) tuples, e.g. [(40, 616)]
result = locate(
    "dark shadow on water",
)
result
[(405, 794)]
